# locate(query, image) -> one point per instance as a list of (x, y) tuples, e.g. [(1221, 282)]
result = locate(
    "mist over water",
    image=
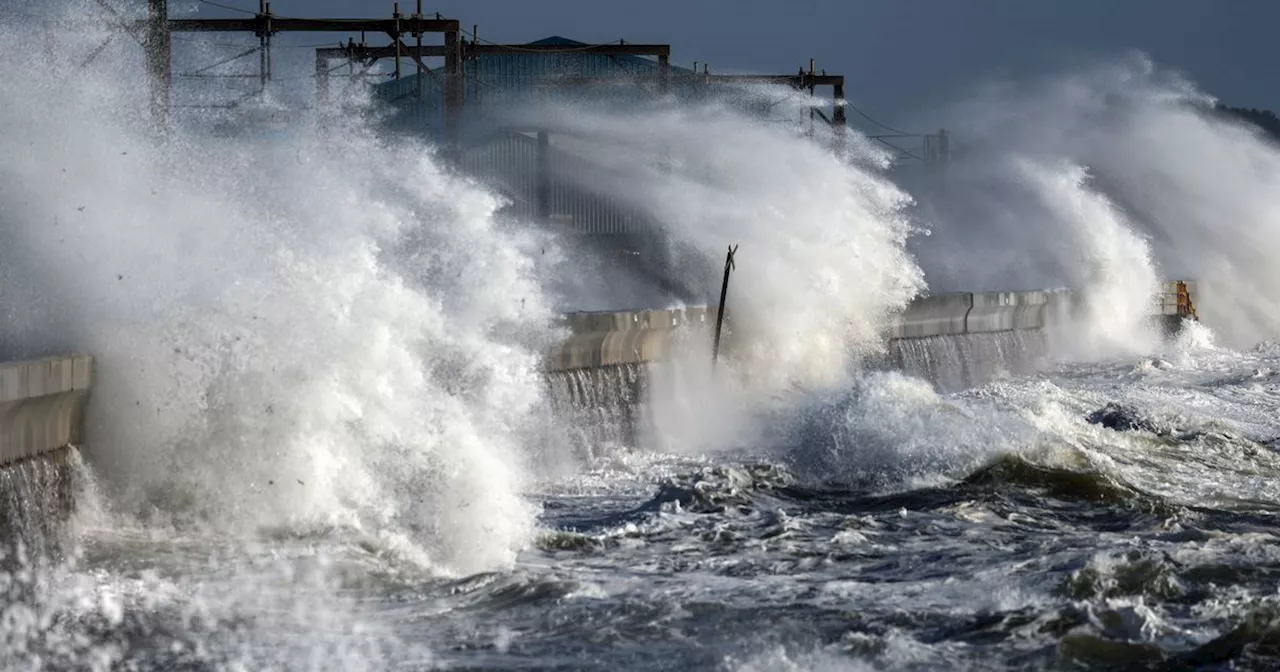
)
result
[(821, 261), (1107, 178)]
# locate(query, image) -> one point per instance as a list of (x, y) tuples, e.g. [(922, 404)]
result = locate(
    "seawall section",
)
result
[(620, 338), (953, 339), (979, 313), (602, 339), (42, 406)]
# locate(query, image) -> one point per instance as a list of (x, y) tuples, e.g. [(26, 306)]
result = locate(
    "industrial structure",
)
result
[(460, 91)]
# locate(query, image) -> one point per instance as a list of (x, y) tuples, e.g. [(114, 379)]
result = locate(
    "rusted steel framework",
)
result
[(158, 28), (367, 56)]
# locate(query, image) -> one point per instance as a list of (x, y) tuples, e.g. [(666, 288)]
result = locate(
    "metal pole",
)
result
[(396, 36), (452, 94), (418, 60), (812, 91), (664, 74), (838, 116), (159, 56), (543, 197), (724, 294), (322, 79), (264, 46)]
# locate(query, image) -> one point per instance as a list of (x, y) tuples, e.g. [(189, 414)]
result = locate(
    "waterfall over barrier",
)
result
[(601, 375), (600, 379), (42, 406)]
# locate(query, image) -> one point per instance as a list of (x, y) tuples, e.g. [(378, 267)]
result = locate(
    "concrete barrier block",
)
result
[(698, 315), (935, 315), (38, 378), (578, 323), (81, 372), (1006, 311), (622, 337), (64, 373), (42, 405), (654, 345), (12, 382), (990, 318)]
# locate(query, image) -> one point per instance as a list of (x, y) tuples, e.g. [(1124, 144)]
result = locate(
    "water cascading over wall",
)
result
[(601, 376), (42, 407), (964, 339)]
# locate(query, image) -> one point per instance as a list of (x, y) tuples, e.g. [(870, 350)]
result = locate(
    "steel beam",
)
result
[(468, 50), (543, 189), (407, 25), (159, 50), (838, 121), (453, 94), (607, 49), (798, 81)]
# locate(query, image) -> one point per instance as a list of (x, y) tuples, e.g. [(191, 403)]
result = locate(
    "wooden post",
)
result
[(724, 294)]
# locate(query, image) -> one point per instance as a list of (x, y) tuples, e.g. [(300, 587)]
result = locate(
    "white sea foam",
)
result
[(319, 327)]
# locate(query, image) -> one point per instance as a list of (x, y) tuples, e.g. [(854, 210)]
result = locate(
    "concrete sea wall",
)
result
[(42, 406), (604, 339), (626, 337), (954, 340), (602, 373)]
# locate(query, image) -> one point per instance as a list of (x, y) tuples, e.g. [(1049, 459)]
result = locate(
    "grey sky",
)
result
[(899, 56)]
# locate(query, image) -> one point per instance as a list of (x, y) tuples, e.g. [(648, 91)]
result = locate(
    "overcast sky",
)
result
[(899, 57)]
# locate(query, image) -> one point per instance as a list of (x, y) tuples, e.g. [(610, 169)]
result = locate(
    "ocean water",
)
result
[(1112, 516), (320, 439)]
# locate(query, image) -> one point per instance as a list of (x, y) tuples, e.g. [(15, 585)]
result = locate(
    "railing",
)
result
[(1175, 299)]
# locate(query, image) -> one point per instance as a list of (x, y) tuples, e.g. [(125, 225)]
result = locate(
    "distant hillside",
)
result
[(1263, 119)]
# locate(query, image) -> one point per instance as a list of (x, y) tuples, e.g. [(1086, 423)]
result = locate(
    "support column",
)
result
[(838, 120), (159, 57), (264, 45), (322, 80), (417, 18), (664, 74), (542, 197), (453, 95)]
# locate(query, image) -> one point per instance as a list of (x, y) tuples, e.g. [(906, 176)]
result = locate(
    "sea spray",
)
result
[(1146, 162), (821, 263), (821, 260), (319, 328)]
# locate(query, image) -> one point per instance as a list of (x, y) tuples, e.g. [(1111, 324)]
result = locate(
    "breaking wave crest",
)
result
[(317, 326)]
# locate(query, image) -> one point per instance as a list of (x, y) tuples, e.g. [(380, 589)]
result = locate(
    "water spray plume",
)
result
[(315, 328)]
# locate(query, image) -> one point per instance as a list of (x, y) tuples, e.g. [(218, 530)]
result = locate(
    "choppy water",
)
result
[(1110, 516), (320, 440)]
